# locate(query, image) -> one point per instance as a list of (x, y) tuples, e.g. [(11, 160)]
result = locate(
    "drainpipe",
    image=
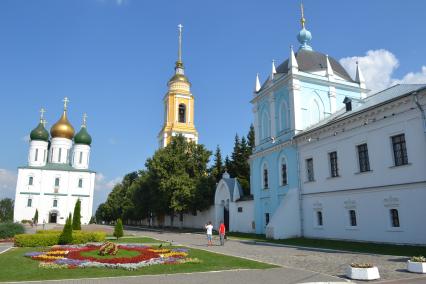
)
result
[(300, 189), (422, 111)]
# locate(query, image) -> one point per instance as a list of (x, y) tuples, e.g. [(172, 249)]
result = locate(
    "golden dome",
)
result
[(62, 128)]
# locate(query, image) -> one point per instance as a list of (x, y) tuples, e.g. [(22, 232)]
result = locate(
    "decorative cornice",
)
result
[(30, 193), (278, 147)]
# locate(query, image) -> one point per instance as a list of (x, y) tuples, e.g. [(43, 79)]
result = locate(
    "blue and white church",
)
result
[(303, 90)]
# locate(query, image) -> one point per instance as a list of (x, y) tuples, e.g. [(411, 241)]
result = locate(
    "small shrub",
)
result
[(118, 229), (36, 240), (9, 230), (419, 258), (108, 248), (58, 232), (51, 237), (36, 217), (26, 221), (66, 235), (362, 265)]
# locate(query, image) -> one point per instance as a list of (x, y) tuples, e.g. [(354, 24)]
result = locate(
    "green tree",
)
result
[(118, 229), (6, 210), (218, 167), (35, 219), (104, 213), (251, 138), (76, 220), (66, 235)]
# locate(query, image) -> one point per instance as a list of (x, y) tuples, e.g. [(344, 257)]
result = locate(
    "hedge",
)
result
[(48, 232), (51, 238), (8, 230)]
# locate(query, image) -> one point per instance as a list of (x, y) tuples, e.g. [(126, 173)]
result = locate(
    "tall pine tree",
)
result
[(217, 169)]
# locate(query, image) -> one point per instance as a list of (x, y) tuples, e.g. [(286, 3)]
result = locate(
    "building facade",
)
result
[(306, 88), (363, 171), (178, 105), (57, 174)]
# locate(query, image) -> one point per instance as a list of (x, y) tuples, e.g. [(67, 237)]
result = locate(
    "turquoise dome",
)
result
[(39, 133), (304, 37), (83, 137)]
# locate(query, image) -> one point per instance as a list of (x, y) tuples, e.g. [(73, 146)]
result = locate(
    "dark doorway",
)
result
[(52, 217), (226, 218)]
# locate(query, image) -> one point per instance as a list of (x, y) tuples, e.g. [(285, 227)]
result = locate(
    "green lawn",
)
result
[(15, 267), (399, 250)]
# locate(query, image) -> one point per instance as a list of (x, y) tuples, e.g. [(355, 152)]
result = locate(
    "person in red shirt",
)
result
[(222, 233)]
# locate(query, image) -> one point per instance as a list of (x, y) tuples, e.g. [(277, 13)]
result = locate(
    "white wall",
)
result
[(241, 221), (42, 193), (369, 190)]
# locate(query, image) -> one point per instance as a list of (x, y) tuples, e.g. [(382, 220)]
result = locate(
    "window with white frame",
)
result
[(59, 155), (55, 203), (266, 219), (399, 150), (352, 218), (30, 180), (80, 182), (265, 176), (334, 170), (36, 155), (29, 202), (363, 159), (319, 221), (57, 182), (283, 172), (394, 216), (283, 116), (80, 160), (310, 169)]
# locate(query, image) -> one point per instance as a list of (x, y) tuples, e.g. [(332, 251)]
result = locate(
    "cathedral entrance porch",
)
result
[(53, 217)]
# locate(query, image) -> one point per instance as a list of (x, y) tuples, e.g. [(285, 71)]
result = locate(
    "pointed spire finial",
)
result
[(274, 70), (84, 120), (359, 77), (292, 62), (257, 86), (66, 101), (329, 71), (302, 19), (180, 27)]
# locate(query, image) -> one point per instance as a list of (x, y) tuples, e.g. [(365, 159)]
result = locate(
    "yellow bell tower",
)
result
[(178, 105)]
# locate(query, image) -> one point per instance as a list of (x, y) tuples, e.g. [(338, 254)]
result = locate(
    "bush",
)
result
[(58, 232), (76, 220), (51, 237), (26, 222), (36, 217), (9, 230), (118, 229), (92, 220), (80, 237), (36, 240), (66, 235)]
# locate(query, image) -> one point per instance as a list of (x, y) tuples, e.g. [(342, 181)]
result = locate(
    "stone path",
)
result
[(326, 262)]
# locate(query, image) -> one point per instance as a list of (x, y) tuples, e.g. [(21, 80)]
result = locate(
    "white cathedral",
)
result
[(57, 174)]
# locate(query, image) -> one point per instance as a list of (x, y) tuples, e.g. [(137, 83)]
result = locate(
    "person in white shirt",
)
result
[(209, 228)]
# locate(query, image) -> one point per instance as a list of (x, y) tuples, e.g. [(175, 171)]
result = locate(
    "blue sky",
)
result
[(113, 58)]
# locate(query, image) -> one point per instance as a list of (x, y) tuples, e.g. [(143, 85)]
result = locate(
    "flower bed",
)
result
[(76, 256)]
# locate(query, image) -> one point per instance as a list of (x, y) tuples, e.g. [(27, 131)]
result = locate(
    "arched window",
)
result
[(283, 172), (265, 126), (182, 113), (283, 116), (314, 112), (265, 176)]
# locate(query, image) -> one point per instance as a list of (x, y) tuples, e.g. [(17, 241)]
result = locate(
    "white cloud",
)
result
[(117, 2), (7, 183), (378, 67), (103, 187)]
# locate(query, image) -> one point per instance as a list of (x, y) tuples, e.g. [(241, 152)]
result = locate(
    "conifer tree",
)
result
[(251, 139), (66, 235), (76, 220), (118, 229), (227, 163), (217, 169), (36, 217)]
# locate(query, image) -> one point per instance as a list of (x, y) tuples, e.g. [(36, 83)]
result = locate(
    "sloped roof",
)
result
[(230, 183), (372, 101), (57, 167)]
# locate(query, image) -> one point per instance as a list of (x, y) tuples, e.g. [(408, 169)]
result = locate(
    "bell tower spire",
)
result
[(179, 63)]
